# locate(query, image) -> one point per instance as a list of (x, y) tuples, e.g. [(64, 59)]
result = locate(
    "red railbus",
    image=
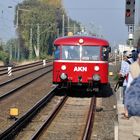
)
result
[(81, 61)]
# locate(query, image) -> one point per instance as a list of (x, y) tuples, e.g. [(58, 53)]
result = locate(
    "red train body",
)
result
[(80, 61)]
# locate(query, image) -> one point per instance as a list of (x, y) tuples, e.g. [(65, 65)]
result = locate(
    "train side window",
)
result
[(57, 53)]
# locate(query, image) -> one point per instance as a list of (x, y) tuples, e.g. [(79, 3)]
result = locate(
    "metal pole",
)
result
[(63, 25), (68, 24), (18, 49), (30, 50), (38, 36), (17, 18), (10, 52), (115, 57), (74, 29), (15, 54), (57, 32), (17, 29)]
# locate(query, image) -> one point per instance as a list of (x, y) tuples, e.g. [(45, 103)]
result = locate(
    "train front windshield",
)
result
[(84, 53), (90, 53)]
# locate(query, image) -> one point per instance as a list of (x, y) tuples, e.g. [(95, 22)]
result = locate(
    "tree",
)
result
[(39, 22), (4, 56)]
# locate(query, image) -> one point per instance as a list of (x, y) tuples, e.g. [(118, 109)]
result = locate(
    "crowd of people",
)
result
[(130, 71)]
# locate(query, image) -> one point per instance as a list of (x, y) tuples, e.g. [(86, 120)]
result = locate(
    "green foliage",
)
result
[(12, 48), (116, 77), (38, 24), (4, 56), (1, 48)]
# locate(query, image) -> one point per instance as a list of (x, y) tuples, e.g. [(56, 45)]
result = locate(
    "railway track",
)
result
[(11, 86), (24, 74), (63, 126), (22, 92), (4, 70), (12, 130), (55, 116)]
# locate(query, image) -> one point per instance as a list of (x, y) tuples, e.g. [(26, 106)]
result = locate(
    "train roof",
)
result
[(87, 41)]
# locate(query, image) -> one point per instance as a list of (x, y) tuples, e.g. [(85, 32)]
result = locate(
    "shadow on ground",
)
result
[(104, 92)]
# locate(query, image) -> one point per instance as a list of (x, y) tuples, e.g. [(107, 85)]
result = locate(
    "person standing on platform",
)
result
[(134, 70), (127, 60), (130, 98), (134, 55)]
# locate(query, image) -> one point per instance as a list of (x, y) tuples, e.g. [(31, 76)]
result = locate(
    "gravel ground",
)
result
[(70, 121), (18, 73), (103, 128), (24, 99)]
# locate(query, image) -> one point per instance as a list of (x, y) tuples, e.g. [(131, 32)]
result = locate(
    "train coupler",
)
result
[(96, 89)]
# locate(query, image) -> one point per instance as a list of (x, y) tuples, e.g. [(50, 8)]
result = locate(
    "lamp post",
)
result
[(10, 49), (63, 25), (17, 15), (17, 27)]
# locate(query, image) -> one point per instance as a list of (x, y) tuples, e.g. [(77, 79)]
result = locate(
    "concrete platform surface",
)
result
[(127, 129)]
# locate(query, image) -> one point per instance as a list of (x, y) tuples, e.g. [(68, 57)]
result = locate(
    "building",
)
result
[(122, 48), (137, 24)]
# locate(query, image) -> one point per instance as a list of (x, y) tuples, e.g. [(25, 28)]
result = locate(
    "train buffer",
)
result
[(125, 129)]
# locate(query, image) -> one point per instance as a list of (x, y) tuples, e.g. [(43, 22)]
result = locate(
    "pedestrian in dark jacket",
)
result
[(134, 55), (132, 97)]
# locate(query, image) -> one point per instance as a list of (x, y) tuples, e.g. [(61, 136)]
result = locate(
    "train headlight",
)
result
[(63, 67), (96, 68), (63, 76), (81, 41), (96, 77)]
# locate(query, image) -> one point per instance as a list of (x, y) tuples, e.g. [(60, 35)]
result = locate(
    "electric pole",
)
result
[(63, 25), (38, 37), (30, 49)]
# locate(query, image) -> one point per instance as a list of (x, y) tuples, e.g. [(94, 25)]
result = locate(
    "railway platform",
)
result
[(125, 129)]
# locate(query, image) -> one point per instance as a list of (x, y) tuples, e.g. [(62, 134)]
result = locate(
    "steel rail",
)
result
[(2, 84), (22, 121), (50, 118), (16, 89), (90, 120), (22, 67)]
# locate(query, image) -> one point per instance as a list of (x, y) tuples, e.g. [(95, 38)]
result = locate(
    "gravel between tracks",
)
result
[(24, 100), (104, 120), (103, 128)]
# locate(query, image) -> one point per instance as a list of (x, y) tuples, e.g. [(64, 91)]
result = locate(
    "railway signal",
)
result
[(130, 12)]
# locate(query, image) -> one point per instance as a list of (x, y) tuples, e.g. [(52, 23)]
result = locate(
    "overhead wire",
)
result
[(94, 8)]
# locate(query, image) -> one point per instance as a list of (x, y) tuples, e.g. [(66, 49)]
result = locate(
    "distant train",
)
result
[(81, 61)]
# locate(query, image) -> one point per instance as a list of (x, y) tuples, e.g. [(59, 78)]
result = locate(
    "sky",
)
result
[(106, 17), (7, 28)]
